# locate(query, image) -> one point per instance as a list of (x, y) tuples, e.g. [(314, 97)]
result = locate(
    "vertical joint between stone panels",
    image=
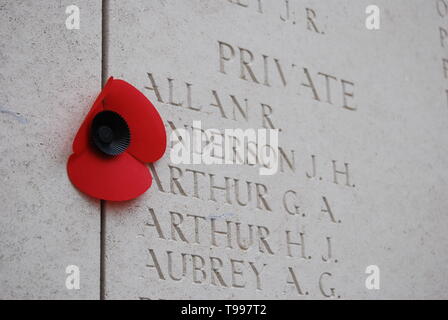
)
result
[(104, 75), (104, 40), (103, 250)]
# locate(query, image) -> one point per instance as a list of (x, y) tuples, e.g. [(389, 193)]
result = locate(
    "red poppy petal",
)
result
[(148, 136), (116, 178), (82, 137)]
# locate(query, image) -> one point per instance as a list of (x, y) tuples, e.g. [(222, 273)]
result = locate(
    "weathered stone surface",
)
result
[(383, 112), (49, 78), (372, 103)]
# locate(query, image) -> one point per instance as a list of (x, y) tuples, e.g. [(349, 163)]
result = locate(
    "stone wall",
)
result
[(360, 191)]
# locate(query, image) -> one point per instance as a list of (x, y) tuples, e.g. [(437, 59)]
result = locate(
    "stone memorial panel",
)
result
[(50, 74), (356, 207), (306, 159)]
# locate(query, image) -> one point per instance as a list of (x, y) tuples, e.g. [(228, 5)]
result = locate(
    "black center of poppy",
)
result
[(105, 134), (110, 133)]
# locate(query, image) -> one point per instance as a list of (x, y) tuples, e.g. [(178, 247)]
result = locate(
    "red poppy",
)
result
[(121, 132)]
